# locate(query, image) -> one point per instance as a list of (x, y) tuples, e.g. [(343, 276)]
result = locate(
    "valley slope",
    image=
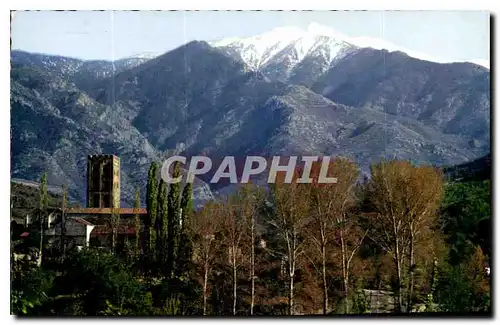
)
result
[(202, 99)]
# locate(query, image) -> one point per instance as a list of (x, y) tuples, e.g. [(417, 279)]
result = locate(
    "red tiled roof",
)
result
[(25, 234), (106, 211)]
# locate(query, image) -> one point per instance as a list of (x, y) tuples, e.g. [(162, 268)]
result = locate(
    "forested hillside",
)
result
[(401, 241)]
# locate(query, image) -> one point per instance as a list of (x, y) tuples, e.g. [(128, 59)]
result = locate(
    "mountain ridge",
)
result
[(260, 48), (199, 99)]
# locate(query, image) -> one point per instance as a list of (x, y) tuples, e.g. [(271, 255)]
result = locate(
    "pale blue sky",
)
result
[(448, 35)]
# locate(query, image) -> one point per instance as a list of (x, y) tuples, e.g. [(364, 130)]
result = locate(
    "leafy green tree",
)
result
[(465, 287), (466, 218), (30, 289), (103, 285), (179, 297), (429, 299)]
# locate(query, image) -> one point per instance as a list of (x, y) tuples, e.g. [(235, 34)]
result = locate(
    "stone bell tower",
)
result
[(103, 181)]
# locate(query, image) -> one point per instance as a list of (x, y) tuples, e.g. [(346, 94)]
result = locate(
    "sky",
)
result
[(444, 35)]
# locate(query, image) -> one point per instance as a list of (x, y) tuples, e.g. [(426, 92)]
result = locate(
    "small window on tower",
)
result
[(106, 202), (94, 185)]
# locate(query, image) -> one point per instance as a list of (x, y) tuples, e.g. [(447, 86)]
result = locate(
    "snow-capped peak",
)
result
[(320, 30), (381, 44), (258, 50), (268, 38)]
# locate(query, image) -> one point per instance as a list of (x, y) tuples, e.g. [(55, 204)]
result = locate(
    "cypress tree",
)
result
[(63, 221), (151, 203), (161, 219), (173, 222), (164, 221), (185, 243), (115, 223), (138, 226), (186, 203)]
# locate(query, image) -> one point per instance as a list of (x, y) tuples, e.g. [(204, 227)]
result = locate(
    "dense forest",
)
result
[(407, 239)]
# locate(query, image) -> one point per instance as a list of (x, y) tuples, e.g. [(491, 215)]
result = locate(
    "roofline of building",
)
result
[(90, 157), (131, 211)]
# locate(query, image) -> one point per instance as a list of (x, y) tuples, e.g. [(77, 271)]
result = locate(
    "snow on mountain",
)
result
[(257, 51), (380, 44), (260, 50), (484, 63), (143, 55)]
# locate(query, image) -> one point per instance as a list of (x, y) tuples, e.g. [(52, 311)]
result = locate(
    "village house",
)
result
[(90, 226)]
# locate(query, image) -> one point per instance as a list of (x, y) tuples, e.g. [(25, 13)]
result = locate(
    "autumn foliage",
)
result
[(312, 247), (400, 240)]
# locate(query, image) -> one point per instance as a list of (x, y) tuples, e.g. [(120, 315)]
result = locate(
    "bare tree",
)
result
[(246, 204), (248, 200), (388, 224), (291, 214), (332, 224), (403, 199), (233, 232), (251, 214), (423, 194), (203, 229), (351, 238)]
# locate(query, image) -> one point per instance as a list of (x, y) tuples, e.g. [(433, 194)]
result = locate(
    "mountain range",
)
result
[(284, 92)]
